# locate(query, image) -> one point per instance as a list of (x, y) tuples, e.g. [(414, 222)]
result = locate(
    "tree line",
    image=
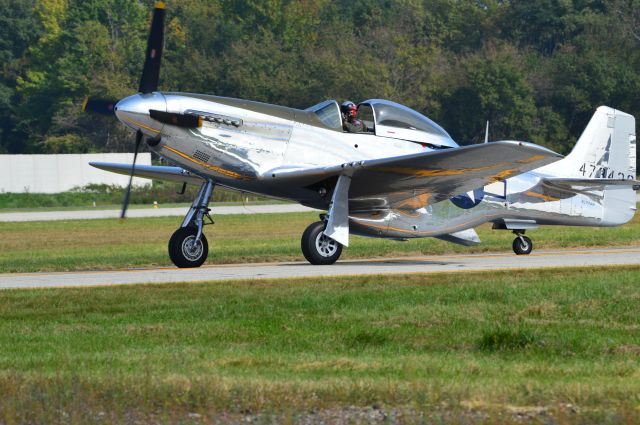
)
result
[(536, 70)]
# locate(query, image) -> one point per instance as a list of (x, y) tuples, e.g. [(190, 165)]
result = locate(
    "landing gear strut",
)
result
[(318, 248), (322, 241), (522, 245), (188, 246)]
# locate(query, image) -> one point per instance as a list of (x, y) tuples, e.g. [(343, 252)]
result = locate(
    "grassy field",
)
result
[(106, 244), (141, 206), (543, 347), (107, 196)]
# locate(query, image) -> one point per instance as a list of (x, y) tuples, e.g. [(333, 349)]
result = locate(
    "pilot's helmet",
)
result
[(349, 108)]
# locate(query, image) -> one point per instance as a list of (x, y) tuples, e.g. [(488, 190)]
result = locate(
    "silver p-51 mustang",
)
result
[(403, 178)]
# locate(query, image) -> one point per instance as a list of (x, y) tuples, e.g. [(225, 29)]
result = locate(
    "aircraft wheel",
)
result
[(522, 246), (184, 252), (318, 248)]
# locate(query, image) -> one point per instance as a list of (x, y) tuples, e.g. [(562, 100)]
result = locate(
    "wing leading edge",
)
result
[(156, 172)]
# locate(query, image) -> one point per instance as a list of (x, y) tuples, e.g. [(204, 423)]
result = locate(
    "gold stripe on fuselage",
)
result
[(547, 198), (218, 170), (139, 124)]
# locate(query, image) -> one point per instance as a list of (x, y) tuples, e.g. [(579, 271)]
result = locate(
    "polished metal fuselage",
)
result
[(271, 137)]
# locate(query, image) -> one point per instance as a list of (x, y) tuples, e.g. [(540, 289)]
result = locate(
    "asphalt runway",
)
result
[(147, 212), (427, 264)]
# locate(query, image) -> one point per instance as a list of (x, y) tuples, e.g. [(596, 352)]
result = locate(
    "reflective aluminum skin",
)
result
[(392, 173), (402, 183)]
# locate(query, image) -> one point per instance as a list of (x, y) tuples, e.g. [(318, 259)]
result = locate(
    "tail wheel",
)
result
[(522, 245), (318, 248), (184, 251)]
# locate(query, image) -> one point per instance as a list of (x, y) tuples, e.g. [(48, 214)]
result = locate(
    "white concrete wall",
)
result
[(60, 173)]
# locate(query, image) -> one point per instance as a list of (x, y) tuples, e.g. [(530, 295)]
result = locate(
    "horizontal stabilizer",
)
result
[(155, 172), (587, 185)]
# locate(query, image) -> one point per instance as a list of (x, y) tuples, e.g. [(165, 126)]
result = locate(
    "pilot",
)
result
[(349, 121)]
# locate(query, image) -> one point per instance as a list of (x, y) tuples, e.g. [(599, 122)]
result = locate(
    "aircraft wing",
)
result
[(155, 172), (436, 175)]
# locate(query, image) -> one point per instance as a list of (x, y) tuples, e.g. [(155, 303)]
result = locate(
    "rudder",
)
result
[(606, 148)]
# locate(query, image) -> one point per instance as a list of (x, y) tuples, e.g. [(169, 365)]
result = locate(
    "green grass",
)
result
[(107, 195), (106, 244), (555, 346), (118, 207), (89, 207)]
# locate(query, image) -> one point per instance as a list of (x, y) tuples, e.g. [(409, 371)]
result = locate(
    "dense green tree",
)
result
[(493, 88), (19, 28), (535, 70)]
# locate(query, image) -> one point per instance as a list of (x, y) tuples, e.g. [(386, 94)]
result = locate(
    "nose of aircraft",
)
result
[(133, 111)]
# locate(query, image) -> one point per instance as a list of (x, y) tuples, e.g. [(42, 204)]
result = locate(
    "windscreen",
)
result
[(328, 112)]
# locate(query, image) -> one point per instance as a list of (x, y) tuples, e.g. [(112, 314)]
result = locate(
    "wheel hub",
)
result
[(325, 245), (191, 249)]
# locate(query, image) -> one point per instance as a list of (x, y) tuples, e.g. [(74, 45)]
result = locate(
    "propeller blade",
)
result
[(151, 69), (125, 202), (98, 106), (179, 120)]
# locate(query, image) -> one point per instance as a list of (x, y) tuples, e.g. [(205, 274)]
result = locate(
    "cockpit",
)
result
[(387, 119)]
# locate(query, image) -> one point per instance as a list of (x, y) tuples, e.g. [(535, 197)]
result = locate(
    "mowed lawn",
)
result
[(107, 244), (555, 346)]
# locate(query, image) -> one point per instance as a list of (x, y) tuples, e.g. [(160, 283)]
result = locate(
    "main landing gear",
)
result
[(318, 248), (188, 246), (522, 245)]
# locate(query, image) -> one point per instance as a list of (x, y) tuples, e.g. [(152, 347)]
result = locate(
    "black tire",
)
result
[(180, 252), (522, 247), (317, 248)]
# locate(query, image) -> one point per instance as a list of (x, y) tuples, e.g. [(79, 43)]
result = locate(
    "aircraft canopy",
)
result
[(387, 119), (397, 121)]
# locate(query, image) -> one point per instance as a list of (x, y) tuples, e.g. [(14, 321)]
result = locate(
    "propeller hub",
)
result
[(133, 111)]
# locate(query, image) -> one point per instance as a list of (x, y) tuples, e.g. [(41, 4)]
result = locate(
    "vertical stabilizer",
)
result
[(606, 148)]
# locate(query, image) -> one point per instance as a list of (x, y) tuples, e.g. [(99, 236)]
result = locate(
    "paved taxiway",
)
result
[(427, 264), (147, 212)]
